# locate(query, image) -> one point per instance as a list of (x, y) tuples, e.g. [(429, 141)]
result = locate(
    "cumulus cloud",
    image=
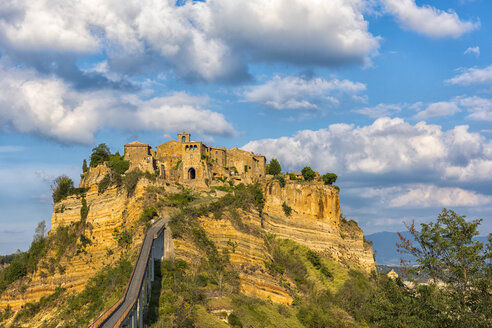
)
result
[(209, 41), (419, 196), (428, 20), (473, 76), (293, 92), (46, 106), (390, 147), (473, 50)]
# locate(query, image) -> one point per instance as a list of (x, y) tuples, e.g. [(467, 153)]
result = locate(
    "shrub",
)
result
[(104, 184), (274, 167), (124, 237), (130, 181), (84, 210), (287, 209), (280, 179), (148, 214), (61, 187), (118, 164), (308, 173), (329, 178), (234, 321), (292, 176), (100, 154)]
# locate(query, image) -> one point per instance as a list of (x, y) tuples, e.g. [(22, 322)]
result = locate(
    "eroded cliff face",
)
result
[(315, 222), (107, 212)]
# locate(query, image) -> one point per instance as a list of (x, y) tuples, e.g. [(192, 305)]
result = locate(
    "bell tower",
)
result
[(184, 137)]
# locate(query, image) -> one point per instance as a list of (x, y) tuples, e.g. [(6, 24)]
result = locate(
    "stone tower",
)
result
[(183, 137)]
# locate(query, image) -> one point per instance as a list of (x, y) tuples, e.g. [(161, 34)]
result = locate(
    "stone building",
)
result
[(192, 161)]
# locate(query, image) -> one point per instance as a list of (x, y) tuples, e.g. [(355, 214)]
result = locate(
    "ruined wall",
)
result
[(136, 151)]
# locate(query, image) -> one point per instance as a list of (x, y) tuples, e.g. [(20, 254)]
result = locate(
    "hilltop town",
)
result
[(194, 162)]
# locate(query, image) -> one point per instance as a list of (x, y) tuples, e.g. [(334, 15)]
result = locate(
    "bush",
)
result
[(274, 167), (329, 178), (308, 173), (61, 187), (124, 237), (234, 321), (130, 181), (287, 209), (84, 210), (100, 154), (292, 176), (104, 184), (148, 214), (118, 164), (280, 179)]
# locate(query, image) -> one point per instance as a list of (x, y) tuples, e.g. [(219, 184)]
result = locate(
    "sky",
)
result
[(394, 96)]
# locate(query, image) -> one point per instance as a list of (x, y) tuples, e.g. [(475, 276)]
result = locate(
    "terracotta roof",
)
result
[(136, 144)]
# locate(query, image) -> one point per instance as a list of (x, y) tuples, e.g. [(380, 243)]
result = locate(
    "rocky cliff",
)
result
[(314, 221)]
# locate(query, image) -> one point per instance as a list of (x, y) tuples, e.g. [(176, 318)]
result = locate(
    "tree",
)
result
[(329, 178), (308, 173), (61, 187), (84, 166), (100, 154), (447, 252), (275, 167)]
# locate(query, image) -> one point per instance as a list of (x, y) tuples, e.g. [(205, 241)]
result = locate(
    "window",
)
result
[(183, 139)]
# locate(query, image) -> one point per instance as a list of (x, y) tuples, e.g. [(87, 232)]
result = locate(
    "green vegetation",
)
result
[(329, 178), (280, 179), (123, 236), (61, 188), (117, 164), (292, 176), (84, 166), (148, 214), (274, 168), (100, 154), (177, 165), (308, 173), (287, 209), (130, 181), (84, 210), (446, 252)]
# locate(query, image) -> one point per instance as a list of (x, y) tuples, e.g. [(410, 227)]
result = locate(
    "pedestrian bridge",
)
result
[(128, 312)]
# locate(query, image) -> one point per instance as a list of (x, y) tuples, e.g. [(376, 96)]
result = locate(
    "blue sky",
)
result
[(395, 96)]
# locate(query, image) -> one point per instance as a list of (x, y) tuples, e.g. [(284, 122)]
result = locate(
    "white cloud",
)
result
[(442, 108), (473, 76), (480, 109), (387, 146), (293, 92), (210, 40), (380, 110), (45, 106), (473, 50), (418, 196), (428, 20)]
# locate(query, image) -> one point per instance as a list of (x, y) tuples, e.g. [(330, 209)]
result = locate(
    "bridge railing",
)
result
[(146, 253)]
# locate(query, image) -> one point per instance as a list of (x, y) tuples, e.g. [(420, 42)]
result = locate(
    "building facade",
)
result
[(188, 161)]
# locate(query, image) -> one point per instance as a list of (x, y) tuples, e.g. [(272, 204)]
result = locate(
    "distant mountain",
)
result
[(384, 246)]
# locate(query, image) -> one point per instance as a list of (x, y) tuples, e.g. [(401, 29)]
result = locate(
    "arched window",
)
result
[(183, 139), (191, 174)]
